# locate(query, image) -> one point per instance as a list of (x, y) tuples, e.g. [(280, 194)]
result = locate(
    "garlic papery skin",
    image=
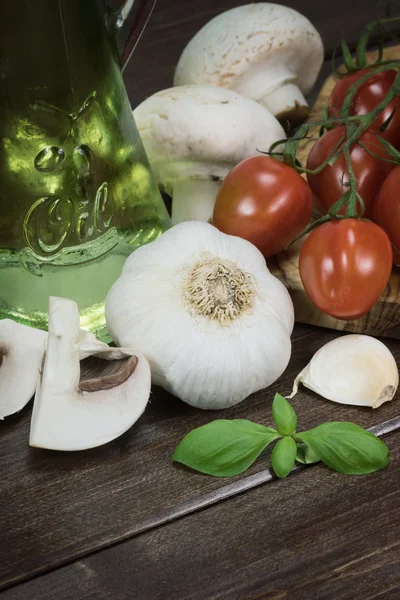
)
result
[(353, 369), (205, 311)]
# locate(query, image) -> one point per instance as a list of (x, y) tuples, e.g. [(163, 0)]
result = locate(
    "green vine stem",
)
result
[(362, 45), (393, 154), (351, 208), (361, 50), (395, 89), (355, 126)]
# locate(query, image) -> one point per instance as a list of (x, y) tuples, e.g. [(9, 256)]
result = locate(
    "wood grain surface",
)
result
[(171, 533), (384, 318), (316, 535), (58, 506)]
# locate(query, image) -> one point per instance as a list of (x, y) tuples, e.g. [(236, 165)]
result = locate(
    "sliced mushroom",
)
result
[(83, 405), (21, 353), (89, 345), (194, 135), (265, 51)]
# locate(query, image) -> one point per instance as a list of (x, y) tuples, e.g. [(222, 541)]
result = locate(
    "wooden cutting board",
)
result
[(384, 318)]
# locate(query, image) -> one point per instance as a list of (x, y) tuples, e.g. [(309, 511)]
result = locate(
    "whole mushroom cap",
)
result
[(202, 131), (253, 49)]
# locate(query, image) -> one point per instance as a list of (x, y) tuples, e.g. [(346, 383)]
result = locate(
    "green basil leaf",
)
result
[(306, 456), (283, 456), (223, 448), (347, 448), (284, 415)]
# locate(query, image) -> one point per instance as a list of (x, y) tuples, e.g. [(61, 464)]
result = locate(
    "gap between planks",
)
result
[(189, 507)]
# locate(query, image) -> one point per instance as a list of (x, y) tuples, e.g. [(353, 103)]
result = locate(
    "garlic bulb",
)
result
[(353, 369), (205, 311)]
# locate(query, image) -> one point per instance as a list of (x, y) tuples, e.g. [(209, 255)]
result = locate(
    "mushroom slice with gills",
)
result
[(21, 353), (89, 345), (265, 51), (76, 408), (194, 135)]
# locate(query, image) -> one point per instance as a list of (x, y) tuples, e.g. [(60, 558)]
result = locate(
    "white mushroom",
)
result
[(268, 52), (21, 352), (74, 409), (194, 135)]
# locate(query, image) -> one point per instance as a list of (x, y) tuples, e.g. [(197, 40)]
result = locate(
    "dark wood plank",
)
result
[(315, 535), (55, 507), (174, 22)]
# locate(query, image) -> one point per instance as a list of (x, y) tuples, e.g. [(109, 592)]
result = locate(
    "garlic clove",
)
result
[(353, 369), (21, 352), (74, 409)]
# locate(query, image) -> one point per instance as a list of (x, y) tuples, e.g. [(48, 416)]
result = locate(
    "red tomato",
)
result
[(367, 97), (345, 265), (370, 172), (387, 210), (265, 202)]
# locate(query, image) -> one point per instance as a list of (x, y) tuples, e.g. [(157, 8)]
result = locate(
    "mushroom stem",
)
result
[(286, 101), (60, 375), (193, 200), (277, 89)]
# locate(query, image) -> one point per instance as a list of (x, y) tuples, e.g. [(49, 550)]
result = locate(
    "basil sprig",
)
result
[(227, 447), (283, 415), (224, 447), (346, 448), (283, 456)]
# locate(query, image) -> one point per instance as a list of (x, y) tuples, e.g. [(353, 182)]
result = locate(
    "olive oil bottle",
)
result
[(77, 195)]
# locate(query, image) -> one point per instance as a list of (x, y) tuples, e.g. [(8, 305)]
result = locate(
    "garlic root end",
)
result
[(296, 384), (386, 395)]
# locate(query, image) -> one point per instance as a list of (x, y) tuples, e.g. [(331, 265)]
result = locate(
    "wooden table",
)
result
[(122, 522)]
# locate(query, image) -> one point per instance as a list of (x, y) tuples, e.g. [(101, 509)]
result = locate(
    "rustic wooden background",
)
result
[(122, 522)]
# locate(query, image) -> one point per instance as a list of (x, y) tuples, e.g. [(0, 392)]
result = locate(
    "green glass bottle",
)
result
[(77, 195)]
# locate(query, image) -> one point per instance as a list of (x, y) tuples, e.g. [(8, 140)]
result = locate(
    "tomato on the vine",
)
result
[(367, 97), (370, 172), (265, 202), (387, 210), (345, 265)]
